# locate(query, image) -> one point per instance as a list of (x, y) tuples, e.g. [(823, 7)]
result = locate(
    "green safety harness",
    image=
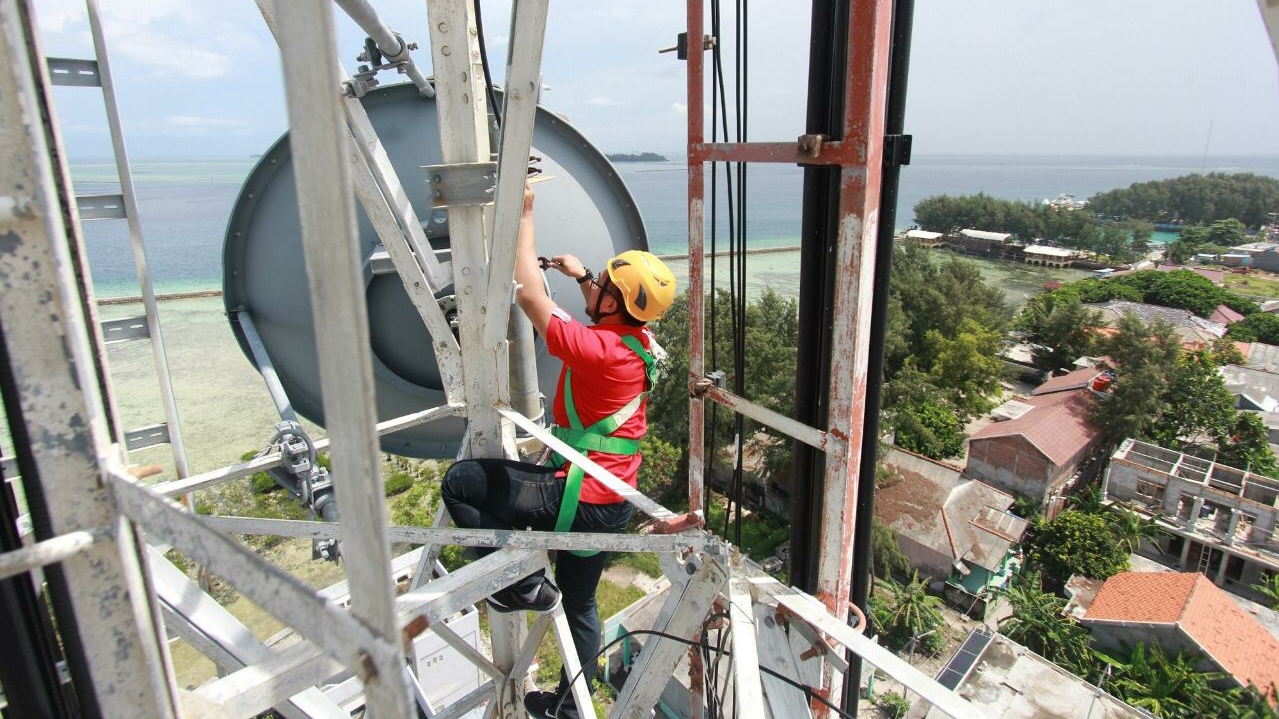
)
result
[(598, 437)]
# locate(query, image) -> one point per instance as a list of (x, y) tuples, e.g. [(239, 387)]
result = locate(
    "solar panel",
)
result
[(963, 660)]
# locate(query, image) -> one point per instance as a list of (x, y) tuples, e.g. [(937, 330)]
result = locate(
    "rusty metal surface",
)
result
[(696, 277), (865, 87), (797, 152)]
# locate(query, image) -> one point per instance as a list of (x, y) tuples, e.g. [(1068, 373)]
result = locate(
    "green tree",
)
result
[(1269, 588), (1065, 334), (1181, 250), (1228, 232), (1257, 327), (1077, 543), (1246, 445), (1144, 356), (1186, 290), (1131, 528), (910, 612), (1038, 623), (929, 429), (928, 296), (1167, 686), (1194, 199), (967, 364), (887, 560), (1198, 403), (661, 470)]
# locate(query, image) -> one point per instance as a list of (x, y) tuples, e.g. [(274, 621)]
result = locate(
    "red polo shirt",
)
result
[(606, 375)]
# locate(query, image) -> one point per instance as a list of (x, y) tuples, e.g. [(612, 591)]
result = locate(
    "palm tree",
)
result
[(1269, 587), (1038, 623), (912, 611), (1130, 528), (1168, 686)]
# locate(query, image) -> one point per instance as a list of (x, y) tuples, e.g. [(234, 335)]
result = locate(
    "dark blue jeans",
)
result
[(504, 494)]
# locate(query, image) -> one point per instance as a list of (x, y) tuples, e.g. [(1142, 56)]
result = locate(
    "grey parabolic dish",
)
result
[(582, 208)]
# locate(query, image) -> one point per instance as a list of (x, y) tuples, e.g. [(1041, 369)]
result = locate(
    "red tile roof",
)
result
[(1072, 380), (1225, 315), (1057, 425), (1238, 643), (1217, 276)]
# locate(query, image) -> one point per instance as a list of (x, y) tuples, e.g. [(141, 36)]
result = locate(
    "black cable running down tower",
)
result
[(827, 66), (896, 154)]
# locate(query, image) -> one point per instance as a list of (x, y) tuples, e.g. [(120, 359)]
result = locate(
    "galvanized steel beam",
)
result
[(340, 315), (215, 477), (110, 618), (696, 541), (810, 610)]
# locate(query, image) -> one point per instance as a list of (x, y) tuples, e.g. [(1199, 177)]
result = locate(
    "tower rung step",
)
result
[(74, 72), (100, 207), (148, 436), (9, 466), (123, 330)]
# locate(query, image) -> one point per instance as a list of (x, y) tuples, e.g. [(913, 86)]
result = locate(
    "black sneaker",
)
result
[(545, 599), (542, 705)]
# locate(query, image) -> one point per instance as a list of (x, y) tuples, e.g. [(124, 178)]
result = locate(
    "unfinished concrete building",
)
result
[(1218, 520)]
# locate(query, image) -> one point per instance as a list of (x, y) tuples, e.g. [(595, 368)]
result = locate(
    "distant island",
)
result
[(636, 157)]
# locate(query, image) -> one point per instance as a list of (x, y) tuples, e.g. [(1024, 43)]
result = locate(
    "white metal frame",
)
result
[(98, 505)]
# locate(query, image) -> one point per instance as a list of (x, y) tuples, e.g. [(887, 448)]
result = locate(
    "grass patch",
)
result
[(396, 483), (1252, 284), (646, 563), (761, 532)]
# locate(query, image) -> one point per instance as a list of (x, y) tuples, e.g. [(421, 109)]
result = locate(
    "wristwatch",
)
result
[(586, 278)]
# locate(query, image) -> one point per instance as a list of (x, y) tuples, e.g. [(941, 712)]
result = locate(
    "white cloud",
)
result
[(680, 109), (605, 102), (193, 126)]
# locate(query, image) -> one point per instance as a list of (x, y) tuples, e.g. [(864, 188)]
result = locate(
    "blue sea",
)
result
[(185, 203), (225, 410)]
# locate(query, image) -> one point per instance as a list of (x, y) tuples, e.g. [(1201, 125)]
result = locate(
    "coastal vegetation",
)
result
[(635, 157), (1194, 199)]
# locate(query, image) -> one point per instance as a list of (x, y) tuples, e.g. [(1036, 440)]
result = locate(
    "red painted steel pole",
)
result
[(696, 243), (865, 89)]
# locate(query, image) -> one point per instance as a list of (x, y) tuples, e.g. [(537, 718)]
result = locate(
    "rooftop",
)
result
[(984, 235), (1235, 641), (1057, 424), (1225, 315), (1011, 682), (1189, 325), (1078, 379), (923, 235), (1261, 356), (1050, 251)]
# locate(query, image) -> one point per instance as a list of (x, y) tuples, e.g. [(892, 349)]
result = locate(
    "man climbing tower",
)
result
[(600, 409)]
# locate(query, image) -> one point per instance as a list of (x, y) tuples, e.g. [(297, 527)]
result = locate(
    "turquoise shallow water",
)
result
[(224, 407)]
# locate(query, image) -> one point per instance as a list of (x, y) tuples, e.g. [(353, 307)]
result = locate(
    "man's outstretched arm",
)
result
[(530, 292)]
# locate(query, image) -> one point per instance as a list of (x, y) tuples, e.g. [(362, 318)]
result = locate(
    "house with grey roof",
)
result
[(951, 528), (1256, 391), (1189, 326)]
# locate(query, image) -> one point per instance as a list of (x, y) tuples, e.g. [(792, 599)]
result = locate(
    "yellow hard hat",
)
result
[(647, 285)]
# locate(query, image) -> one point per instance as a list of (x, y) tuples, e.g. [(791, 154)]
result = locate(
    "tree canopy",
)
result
[(1257, 327), (1194, 199), (1076, 542), (1143, 357)]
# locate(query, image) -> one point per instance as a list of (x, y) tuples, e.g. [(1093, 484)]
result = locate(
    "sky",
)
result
[(1088, 77)]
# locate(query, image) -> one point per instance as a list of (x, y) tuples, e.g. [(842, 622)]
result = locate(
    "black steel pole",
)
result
[(827, 67), (896, 154)]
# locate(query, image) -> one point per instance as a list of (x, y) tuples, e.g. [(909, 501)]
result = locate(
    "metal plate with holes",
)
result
[(122, 330), (74, 72), (148, 436), (100, 207), (583, 209)]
